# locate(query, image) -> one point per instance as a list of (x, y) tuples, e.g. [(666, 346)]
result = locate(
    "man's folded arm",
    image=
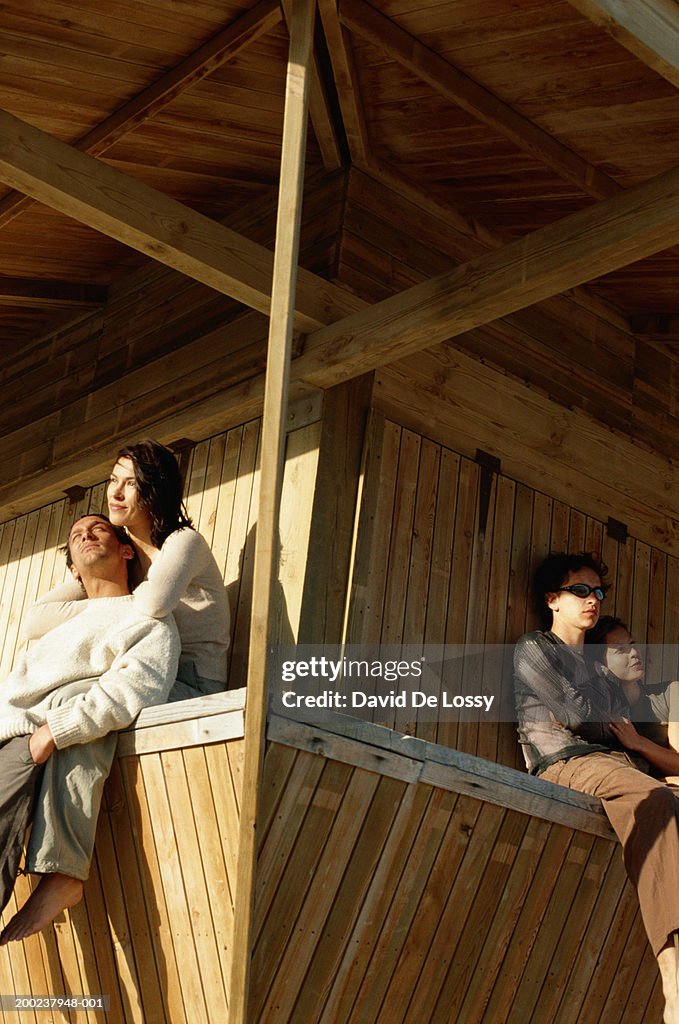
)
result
[(539, 667), (140, 676)]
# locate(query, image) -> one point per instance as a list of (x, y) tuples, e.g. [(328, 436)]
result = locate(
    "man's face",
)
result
[(572, 611), (95, 547)]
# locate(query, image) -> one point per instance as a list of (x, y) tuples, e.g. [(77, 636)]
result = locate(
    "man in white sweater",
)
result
[(69, 693)]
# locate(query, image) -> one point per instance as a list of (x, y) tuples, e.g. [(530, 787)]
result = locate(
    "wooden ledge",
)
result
[(387, 752), (185, 723)]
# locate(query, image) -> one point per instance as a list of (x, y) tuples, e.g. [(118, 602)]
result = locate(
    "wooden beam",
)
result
[(579, 248), (664, 326), (319, 110), (41, 294), (202, 62), (348, 91), (647, 28), (267, 545), (102, 197), (370, 24)]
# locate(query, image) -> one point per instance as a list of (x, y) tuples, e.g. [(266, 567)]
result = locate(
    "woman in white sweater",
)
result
[(175, 569)]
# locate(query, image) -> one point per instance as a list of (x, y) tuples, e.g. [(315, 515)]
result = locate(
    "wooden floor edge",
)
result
[(387, 752)]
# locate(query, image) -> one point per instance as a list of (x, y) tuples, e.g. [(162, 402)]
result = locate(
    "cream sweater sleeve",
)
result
[(184, 556), (141, 675), (58, 605)]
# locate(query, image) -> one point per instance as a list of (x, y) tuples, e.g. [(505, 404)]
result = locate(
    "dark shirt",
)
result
[(563, 705)]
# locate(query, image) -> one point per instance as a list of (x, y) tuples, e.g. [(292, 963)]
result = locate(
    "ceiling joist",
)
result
[(100, 196), (202, 62), (348, 92), (362, 19), (647, 28), (583, 246), (43, 294), (320, 110)]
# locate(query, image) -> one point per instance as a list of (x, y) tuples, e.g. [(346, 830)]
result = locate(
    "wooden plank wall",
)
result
[(154, 930), (424, 573), (382, 899)]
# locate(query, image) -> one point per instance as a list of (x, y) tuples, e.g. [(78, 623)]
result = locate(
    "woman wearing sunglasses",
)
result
[(645, 730)]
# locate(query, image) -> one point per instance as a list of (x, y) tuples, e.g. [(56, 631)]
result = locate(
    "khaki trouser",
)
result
[(67, 805), (67, 808), (645, 815)]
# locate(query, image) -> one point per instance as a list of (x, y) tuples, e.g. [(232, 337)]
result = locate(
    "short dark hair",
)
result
[(117, 530), (551, 574), (159, 487)]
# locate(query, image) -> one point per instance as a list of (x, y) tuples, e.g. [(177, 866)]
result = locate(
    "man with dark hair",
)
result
[(61, 707), (564, 711)]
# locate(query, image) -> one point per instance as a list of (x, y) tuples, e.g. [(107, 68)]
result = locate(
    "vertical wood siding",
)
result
[(154, 930), (424, 572), (383, 900)]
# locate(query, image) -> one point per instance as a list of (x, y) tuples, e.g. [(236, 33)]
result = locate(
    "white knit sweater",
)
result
[(184, 579), (112, 660)]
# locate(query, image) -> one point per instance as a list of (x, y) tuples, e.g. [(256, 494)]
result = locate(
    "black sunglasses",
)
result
[(584, 590)]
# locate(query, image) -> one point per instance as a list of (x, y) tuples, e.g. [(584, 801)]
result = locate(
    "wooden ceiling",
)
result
[(516, 113)]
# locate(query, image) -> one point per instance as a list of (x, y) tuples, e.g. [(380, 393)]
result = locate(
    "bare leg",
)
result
[(53, 894), (669, 972)]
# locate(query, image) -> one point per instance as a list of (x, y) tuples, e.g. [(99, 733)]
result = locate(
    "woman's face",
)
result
[(124, 508), (622, 656)]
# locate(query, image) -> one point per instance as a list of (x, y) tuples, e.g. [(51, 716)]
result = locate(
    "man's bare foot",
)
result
[(54, 893)]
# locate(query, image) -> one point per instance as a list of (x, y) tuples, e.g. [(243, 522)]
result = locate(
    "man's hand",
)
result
[(41, 744)]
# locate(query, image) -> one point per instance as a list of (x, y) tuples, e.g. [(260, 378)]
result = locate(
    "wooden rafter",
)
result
[(342, 58), (15, 291), (202, 62), (109, 201), (319, 110), (579, 248), (362, 19), (664, 326), (647, 28)]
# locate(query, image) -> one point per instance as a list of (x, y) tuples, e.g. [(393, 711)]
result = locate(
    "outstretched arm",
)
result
[(58, 605)]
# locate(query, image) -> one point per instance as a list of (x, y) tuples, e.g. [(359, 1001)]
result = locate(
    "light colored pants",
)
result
[(67, 808), (645, 815), (67, 805)]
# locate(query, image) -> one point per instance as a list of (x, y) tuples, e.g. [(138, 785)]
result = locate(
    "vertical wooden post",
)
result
[(273, 437)]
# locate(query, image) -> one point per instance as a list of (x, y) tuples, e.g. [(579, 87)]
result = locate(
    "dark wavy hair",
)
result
[(159, 487), (552, 573)]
